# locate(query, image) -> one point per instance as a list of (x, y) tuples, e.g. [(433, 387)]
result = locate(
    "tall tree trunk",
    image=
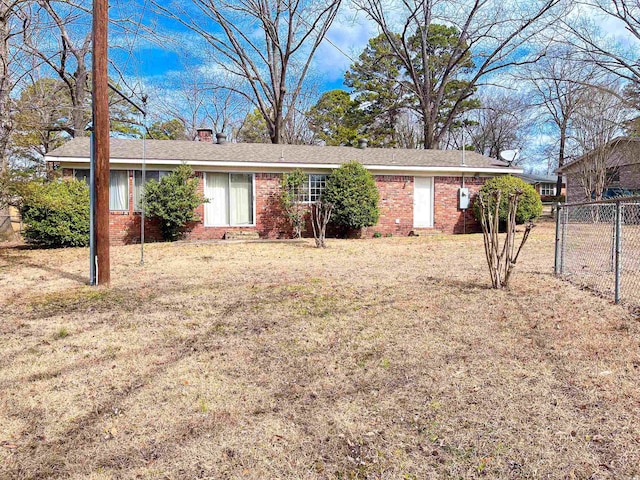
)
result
[(275, 134), (563, 141), (5, 87), (5, 117), (79, 100), (429, 141)]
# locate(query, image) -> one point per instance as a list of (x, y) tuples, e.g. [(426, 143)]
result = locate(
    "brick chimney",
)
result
[(205, 135)]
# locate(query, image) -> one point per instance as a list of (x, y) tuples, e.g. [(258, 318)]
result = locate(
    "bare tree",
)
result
[(15, 18), (68, 58), (491, 32), (501, 123), (560, 83), (296, 128), (599, 120), (273, 64), (585, 34), (408, 130), (200, 100), (501, 258)]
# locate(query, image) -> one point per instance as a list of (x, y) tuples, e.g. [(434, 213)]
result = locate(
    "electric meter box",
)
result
[(463, 198)]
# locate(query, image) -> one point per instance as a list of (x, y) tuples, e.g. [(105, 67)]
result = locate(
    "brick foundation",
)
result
[(396, 211)]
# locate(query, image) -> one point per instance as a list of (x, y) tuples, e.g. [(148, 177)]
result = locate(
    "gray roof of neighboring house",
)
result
[(193, 151), (533, 178), (620, 157)]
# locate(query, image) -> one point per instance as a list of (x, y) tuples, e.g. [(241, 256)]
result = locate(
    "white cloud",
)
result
[(344, 42)]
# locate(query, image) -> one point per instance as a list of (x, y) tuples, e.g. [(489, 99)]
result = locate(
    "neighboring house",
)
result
[(545, 185), (619, 162), (419, 189)]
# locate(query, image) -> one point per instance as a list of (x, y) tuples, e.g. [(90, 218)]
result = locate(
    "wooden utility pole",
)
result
[(101, 140)]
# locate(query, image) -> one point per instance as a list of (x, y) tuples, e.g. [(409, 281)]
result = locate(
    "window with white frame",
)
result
[(311, 189), (230, 198), (118, 187), (138, 189), (548, 189)]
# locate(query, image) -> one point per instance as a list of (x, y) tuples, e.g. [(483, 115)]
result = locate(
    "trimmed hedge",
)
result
[(529, 204), (56, 214)]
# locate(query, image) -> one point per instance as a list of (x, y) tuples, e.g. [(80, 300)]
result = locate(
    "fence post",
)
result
[(556, 264), (563, 239), (618, 241)]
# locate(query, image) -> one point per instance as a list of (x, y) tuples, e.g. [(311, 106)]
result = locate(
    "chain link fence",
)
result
[(598, 247)]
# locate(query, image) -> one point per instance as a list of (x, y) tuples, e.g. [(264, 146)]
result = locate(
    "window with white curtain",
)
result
[(137, 184), (230, 198), (119, 190), (118, 187)]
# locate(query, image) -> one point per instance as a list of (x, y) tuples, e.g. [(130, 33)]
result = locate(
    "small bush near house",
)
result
[(529, 203), (173, 201), (290, 200), (352, 191), (56, 214)]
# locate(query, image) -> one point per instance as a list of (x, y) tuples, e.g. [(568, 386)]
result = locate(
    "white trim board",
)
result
[(278, 167)]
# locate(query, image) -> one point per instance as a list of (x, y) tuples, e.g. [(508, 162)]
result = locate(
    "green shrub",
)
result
[(173, 201), (529, 204), (354, 195), (56, 214), (290, 200)]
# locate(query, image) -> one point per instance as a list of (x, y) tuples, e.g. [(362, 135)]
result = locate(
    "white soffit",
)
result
[(275, 167)]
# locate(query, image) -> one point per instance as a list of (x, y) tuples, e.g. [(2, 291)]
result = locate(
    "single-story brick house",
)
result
[(545, 185), (622, 170), (419, 189)]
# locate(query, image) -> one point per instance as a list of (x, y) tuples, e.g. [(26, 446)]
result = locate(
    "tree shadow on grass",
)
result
[(24, 261), (38, 457), (464, 285)]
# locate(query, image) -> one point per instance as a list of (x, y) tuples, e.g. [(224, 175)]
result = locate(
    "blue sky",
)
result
[(182, 49), (161, 63)]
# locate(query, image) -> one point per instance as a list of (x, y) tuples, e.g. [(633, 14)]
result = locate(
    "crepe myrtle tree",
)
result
[(501, 256)]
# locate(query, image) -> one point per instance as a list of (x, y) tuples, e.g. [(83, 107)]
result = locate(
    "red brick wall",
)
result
[(396, 206), (396, 210), (447, 217)]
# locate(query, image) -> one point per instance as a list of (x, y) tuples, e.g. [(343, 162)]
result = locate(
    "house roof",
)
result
[(632, 141), (261, 154), (534, 179)]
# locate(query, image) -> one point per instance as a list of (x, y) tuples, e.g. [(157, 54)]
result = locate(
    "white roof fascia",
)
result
[(307, 166)]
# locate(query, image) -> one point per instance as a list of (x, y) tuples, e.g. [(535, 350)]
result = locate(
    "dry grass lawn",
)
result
[(386, 358)]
